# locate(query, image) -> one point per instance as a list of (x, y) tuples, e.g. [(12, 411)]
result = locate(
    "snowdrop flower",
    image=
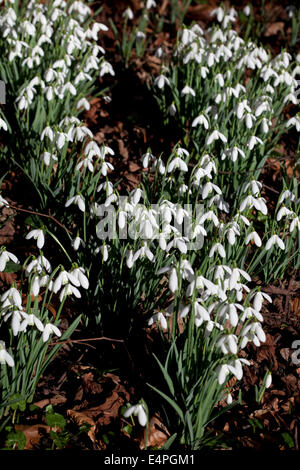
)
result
[(259, 297), (6, 256), (255, 187), (259, 204), (76, 200), (233, 153), (139, 411), (215, 135), (253, 332), (187, 91), (294, 121), (5, 357), (78, 273), (64, 278), (105, 166), (47, 157), (37, 235), (254, 141), (144, 251), (48, 330), (219, 248), (150, 4), (146, 158), (268, 380), (158, 317), (31, 320), (208, 188), (286, 195), (228, 344), (275, 240), (253, 236), (219, 13), (171, 109), (210, 215), (177, 162), (11, 297), (16, 314), (3, 124), (235, 277), (247, 10), (47, 132), (3, 202), (83, 103), (105, 68), (40, 281), (249, 119), (173, 280), (69, 289), (161, 81), (39, 265), (201, 119), (128, 14), (295, 223), (76, 243), (283, 212), (235, 367), (159, 164)]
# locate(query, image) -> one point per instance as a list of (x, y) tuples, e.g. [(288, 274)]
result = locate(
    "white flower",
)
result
[(275, 240), (83, 103), (254, 141), (219, 248), (3, 202), (161, 81), (38, 235), (78, 273), (31, 320), (150, 4), (139, 411), (201, 119), (215, 135), (177, 162), (64, 278), (3, 124), (253, 236), (4, 356), (187, 91), (49, 329), (47, 132), (11, 297), (268, 380), (47, 156), (247, 10), (128, 14), (5, 256), (158, 317), (258, 300), (76, 200)]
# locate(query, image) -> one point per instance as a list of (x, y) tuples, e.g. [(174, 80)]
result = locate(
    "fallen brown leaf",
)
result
[(58, 399), (157, 434), (33, 433), (273, 29), (80, 418)]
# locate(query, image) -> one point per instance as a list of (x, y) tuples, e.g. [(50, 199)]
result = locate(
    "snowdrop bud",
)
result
[(247, 10), (128, 14), (229, 399), (173, 281), (4, 356), (268, 380)]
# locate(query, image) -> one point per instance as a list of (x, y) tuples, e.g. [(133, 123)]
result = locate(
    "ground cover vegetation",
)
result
[(149, 231)]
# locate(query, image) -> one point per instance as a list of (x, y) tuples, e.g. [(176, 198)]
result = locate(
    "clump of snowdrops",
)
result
[(181, 250)]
